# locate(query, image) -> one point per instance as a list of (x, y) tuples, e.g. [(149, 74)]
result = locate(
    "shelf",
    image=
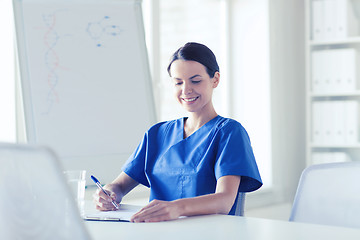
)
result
[(336, 106), (348, 94), (347, 146), (335, 41)]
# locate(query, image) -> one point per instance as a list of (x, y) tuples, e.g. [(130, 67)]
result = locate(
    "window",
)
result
[(7, 74), (180, 22)]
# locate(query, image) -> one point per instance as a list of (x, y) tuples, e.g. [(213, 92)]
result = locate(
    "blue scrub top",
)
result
[(174, 167)]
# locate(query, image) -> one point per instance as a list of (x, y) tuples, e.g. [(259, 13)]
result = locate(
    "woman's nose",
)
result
[(187, 89)]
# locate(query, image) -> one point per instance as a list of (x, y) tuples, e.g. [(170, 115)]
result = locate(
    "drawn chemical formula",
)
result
[(101, 29)]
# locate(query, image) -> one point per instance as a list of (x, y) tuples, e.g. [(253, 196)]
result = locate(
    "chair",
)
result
[(240, 204), (35, 199), (329, 194)]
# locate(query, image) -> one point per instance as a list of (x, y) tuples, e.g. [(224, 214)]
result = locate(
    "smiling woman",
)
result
[(241, 50), (193, 165), (7, 74)]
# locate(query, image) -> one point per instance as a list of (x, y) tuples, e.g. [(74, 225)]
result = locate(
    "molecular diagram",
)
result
[(102, 28), (52, 62)]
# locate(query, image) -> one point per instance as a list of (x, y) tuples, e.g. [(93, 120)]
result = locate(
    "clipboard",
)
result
[(105, 219), (123, 214)]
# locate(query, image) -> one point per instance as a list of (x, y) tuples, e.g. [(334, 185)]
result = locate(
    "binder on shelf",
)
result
[(349, 69), (333, 19), (335, 122), (329, 12), (352, 122), (347, 23), (335, 71), (330, 68), (317, 20), (317, 127), (341, 30), (317, 73), (327, 116)]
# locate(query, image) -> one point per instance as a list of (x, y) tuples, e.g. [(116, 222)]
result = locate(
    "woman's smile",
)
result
[(193, 86), (190, 100)]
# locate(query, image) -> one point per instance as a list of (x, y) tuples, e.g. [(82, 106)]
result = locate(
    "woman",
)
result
[(193, 165)]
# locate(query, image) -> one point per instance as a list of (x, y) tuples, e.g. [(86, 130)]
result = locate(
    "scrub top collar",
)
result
[(206, 127)]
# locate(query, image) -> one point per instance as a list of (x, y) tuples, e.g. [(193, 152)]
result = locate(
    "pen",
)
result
[(100, 187)]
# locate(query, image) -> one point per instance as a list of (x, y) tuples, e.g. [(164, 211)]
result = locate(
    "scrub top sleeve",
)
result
[(135, 165), (235, 157)]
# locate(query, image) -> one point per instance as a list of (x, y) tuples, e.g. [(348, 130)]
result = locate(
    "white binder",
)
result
[(317, 20), (352, 122), (341, 25), (317, 127), (346, 22), (317, 78), (335, 71), (329, 18), (333, 19), (327, 116), (348, 70), (337, 122)]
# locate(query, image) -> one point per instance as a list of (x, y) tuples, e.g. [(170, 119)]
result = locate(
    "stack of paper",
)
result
[(335, 122), (333, 19), (335, 71)]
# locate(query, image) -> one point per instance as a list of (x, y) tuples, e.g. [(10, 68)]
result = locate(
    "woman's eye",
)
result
[(178, 83), (195, 82)]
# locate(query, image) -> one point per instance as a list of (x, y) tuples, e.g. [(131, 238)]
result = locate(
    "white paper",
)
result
[(123, 214)]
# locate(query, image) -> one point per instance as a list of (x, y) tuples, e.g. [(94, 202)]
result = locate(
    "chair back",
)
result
[(240, 204), (329, 194), (35, 199)]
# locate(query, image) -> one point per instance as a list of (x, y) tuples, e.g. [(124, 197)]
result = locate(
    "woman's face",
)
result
[(193, 85)]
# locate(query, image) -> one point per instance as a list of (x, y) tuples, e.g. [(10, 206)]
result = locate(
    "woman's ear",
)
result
[(216, 79)]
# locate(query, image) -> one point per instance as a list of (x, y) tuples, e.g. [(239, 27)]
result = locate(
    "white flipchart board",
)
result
[(85, 80)]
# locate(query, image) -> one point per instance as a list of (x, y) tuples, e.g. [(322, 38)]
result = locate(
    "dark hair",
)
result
[(197, 52)]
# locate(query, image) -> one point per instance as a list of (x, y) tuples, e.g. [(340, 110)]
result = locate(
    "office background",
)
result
[(260, 48)]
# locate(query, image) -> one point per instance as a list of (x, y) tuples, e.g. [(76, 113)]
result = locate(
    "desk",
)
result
[(220, 227)]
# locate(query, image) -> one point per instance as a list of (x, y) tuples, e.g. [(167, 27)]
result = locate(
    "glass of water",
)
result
[(76, 180)]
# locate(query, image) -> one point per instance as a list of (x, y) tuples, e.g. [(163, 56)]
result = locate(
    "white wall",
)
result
[(287, 57)]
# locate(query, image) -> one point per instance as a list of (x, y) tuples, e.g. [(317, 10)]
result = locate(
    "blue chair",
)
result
[(329, 194)]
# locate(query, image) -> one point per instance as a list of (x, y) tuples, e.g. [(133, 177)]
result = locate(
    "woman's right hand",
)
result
[(102, 201)]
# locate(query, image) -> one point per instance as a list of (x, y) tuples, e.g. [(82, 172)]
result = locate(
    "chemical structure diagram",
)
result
[(51, 58), (101, 29)]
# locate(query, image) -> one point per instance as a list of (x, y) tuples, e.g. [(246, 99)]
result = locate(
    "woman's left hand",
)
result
[(157, 211)]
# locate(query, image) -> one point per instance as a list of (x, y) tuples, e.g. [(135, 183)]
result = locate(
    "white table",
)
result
[(220, 227)]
